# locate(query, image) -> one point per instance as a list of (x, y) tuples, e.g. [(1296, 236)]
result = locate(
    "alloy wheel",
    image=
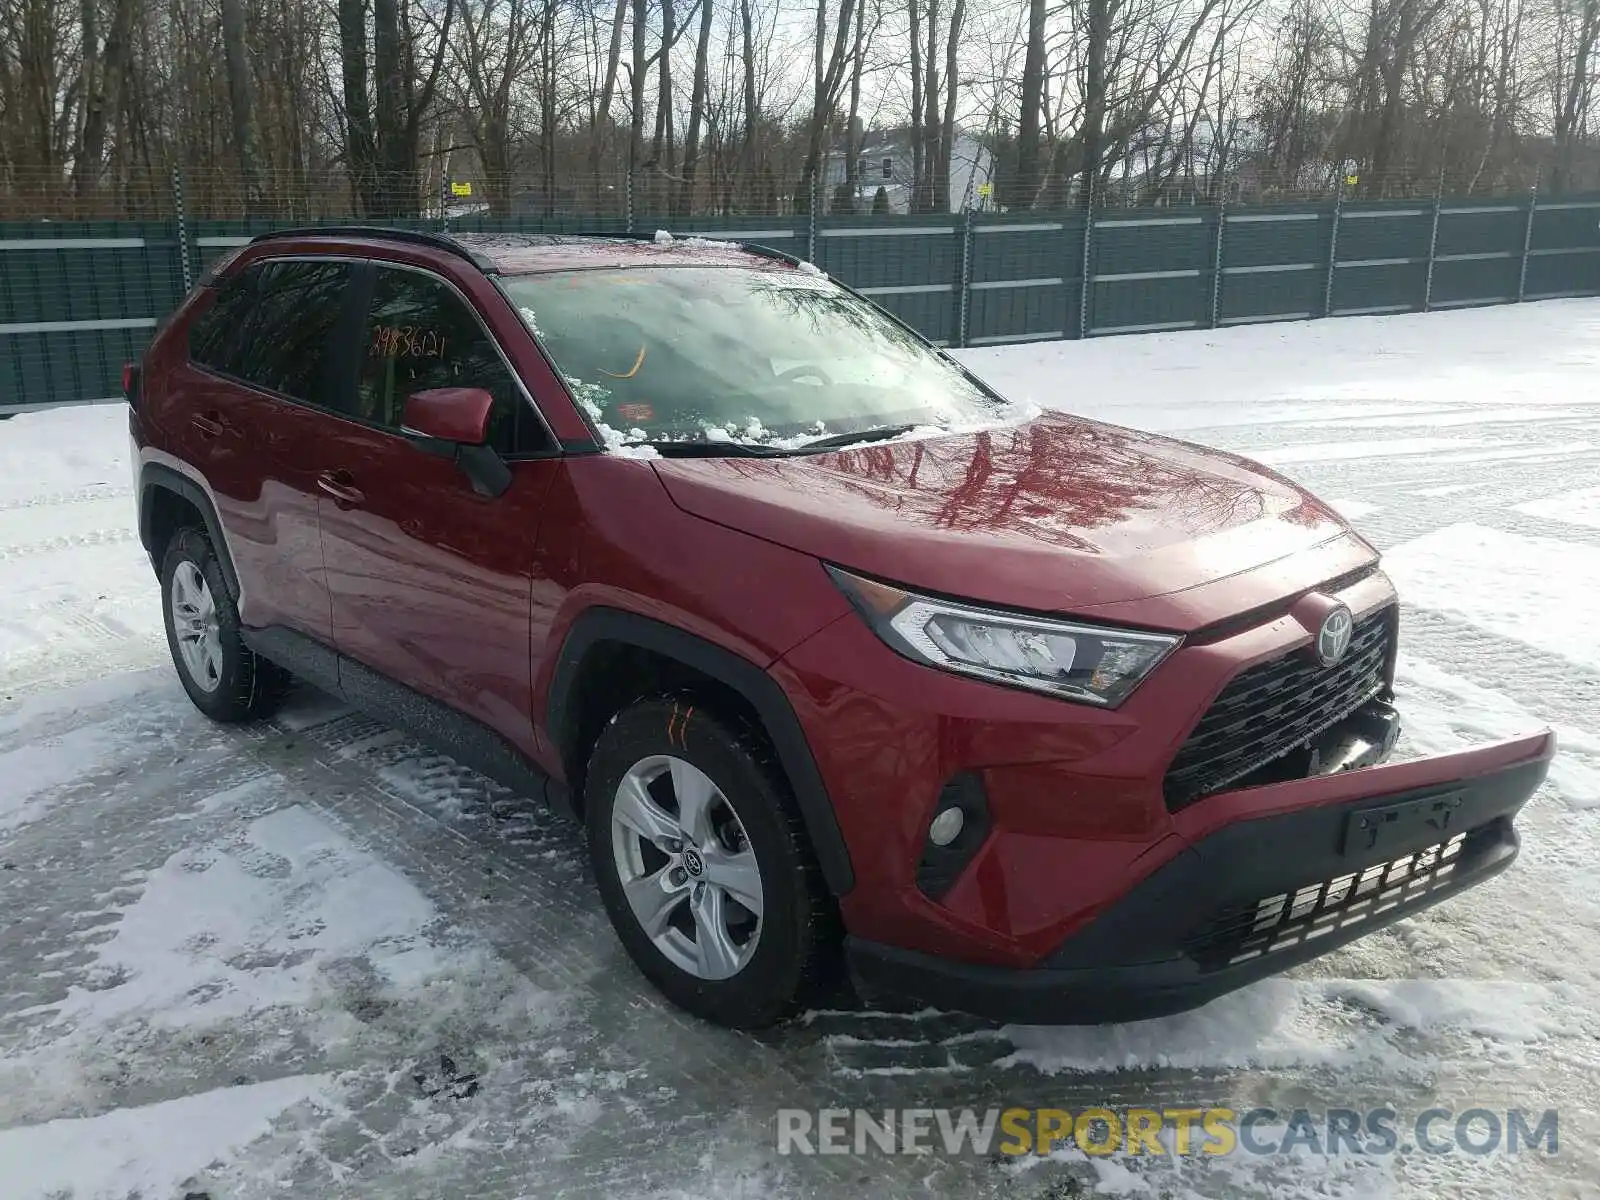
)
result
[(686, 867), (196, 627)]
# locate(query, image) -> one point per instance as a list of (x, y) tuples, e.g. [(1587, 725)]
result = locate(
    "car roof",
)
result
[(528, 254), (538, 253)]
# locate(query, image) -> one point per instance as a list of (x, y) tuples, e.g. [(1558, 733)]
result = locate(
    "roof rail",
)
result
[(420, 237), (761, 251)]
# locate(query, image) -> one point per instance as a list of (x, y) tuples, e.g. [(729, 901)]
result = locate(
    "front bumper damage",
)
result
[(1267, 876)]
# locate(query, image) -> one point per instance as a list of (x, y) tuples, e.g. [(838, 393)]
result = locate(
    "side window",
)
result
[(420, 335), (217, 336), (286, 342)]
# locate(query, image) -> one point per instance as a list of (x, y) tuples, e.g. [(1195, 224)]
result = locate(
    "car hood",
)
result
[(1060, 514)]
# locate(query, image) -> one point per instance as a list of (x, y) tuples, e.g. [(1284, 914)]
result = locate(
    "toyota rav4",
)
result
[(852, 670)]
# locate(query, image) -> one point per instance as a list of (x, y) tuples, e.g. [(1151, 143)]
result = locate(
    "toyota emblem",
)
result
[(1333, 639)]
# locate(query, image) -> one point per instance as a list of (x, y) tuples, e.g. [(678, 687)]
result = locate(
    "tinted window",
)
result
[(421, 335), (216, 337), (286, 340)]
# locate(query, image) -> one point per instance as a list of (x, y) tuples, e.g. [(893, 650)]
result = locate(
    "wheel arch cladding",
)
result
[(164, 494), (601, 631)]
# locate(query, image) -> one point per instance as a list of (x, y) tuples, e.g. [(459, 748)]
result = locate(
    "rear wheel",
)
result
[(225, 679), (704, 866)]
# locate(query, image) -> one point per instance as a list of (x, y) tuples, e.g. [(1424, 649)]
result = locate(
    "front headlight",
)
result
[(1095, 664)]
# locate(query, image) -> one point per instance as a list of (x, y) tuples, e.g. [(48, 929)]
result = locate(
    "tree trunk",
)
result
[(927, 183), (852, 143), (102, 89), (661, 148), (829, 76), (819, 112), (1094, 96), (947, 136), (1025, 186), (601, 123), (697, 106), (1576, 94), (388, 61), (636, 73), (917, 104), (360, 140), (239, 106), (547, 107), (752, 115), (92, 81)]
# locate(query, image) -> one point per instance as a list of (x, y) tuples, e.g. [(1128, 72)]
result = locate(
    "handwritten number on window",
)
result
[(406, 341)]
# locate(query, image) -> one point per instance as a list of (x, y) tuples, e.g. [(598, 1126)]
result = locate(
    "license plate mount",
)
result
[(1422, 820)]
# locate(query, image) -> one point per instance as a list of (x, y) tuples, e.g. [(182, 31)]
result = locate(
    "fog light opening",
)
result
[(947, 826)]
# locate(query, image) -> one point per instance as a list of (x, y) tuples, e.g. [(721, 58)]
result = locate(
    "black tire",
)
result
[(795, 959), (247, 687)]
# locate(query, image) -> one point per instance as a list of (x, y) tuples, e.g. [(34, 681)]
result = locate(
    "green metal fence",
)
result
[(77, 300)]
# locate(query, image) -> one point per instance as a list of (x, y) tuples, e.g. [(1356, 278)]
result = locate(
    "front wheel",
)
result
[(704, 866), (225, 679)]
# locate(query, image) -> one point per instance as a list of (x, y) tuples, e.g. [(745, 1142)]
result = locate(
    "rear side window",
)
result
[(420, 334), (216, 337), (287, 339)]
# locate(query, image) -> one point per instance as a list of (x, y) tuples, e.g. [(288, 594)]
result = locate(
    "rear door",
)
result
[(430, 581), (261, 354)]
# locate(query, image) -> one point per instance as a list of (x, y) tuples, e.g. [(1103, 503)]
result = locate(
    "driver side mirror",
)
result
[(449, 414), (453, 422)]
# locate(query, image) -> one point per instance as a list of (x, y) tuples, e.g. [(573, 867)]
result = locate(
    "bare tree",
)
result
[(697, 106), (104, 69), (497, 47), (829, 53), (1024, 185), (1575, 27), (304, 108), (600, 119)]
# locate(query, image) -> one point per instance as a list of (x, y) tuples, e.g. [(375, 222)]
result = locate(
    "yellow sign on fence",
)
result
[(461, 189)]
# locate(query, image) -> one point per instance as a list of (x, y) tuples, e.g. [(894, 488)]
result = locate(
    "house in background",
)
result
[(886, 162)]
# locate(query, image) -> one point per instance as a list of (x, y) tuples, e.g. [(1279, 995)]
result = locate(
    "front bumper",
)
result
[(1250, 898)]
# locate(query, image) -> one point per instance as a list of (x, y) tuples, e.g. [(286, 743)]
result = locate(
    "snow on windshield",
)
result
[(767, 356)]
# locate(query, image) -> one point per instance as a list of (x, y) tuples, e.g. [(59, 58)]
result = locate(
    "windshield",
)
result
[(725, 354)]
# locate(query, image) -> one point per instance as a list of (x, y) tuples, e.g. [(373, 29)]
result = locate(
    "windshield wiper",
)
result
[(834, 440), (700, 449), (708, 449)]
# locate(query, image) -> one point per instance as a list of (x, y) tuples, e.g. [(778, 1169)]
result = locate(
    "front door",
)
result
[(430, 581)]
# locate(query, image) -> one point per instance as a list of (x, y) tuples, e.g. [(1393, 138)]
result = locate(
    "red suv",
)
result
[(850, 669)]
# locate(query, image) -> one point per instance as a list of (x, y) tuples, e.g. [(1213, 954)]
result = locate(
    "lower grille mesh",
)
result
[(1294, 918)]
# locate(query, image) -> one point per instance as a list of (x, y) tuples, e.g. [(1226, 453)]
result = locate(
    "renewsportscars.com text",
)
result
[(1166, 1131)]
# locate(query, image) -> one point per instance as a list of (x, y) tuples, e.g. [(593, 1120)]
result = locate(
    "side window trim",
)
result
[(521, 388), (247, 280), (259, 265)]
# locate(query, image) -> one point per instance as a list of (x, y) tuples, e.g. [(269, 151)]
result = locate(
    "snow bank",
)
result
[(149, 1150)]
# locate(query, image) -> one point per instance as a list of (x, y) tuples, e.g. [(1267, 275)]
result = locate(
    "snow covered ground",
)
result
[(311, 958)]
